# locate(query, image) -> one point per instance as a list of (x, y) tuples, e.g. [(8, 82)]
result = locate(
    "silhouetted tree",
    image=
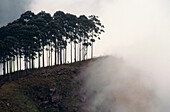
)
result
[(29, 36)]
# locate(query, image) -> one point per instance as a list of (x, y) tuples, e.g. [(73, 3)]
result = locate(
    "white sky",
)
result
[(131, 25), (136, 30)]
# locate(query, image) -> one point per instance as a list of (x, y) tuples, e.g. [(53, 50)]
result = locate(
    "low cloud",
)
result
[(113, 85)]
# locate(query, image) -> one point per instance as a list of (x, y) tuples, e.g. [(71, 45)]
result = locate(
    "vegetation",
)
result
[(48, 89), (60, 38)]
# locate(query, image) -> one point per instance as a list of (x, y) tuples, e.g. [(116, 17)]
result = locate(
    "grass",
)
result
[(13, 100), (50, 89)]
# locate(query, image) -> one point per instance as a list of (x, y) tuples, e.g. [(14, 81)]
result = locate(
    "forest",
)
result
[(51, 40)]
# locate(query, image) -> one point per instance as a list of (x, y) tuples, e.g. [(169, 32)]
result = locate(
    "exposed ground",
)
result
[(51, 89)]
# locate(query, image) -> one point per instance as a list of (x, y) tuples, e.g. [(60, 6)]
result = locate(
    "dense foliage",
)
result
[(60, 38)]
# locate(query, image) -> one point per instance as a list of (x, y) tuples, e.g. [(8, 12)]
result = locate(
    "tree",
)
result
[(96, 28), (31, 34), (71, 29), (60, 33), (45, 31), (83, 35), (3, 55)]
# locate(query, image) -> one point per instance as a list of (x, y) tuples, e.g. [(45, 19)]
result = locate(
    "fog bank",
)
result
[(113, 85)]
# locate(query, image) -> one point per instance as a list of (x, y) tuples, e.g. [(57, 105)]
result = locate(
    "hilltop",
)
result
[(50, 89)]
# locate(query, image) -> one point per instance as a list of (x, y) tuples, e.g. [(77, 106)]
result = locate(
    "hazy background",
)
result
[(113, 86), (138, 31), (134, 28)]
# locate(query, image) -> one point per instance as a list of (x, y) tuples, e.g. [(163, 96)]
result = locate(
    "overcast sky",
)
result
[(12, 9), (137, 29), (131, 25)]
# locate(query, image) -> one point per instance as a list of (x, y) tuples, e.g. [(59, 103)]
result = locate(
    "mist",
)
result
[(112, 85), (137, 36), (137, 33), (131, 26)]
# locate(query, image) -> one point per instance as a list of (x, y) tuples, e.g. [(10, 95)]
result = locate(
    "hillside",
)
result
[(51, 89)]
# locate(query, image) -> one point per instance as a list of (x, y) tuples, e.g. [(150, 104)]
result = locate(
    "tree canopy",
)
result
[(63, 36)]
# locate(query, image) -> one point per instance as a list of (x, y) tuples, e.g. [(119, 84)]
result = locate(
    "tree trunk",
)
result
[(20, 62), (80, 52), (60, 55), (71, 52), (32, 62), (13, 60), (63, 55), (39, 61), (51, 56), (25, 63), (7, 66), (10, 65), (86, 52), (92, 50), (75, 52), (17, 64), (43, 57), (55, 53), (66, 54), (83, 53), (47, 58), (3, 66), (39, 56)]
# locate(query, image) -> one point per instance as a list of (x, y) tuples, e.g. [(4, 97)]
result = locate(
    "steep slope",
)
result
[(51, 89), (113, 85)]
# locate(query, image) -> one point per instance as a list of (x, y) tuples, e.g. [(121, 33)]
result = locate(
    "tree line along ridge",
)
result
[(33, 36)]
